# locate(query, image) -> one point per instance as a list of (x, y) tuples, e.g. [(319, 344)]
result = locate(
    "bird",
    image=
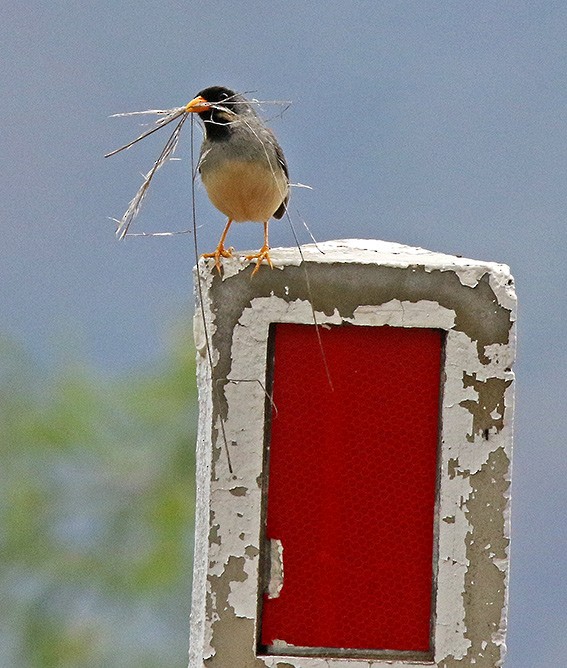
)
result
[(242, 166)]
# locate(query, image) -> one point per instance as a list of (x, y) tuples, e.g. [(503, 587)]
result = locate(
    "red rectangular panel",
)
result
[(352, 485)]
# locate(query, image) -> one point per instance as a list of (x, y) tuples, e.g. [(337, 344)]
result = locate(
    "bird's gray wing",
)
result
[(283, 164)]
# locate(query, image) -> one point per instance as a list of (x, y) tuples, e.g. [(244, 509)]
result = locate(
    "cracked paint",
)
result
[(360, 282), (232, 633)]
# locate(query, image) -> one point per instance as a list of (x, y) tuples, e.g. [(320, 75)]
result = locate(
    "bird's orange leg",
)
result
[(220, 250), (263, 253)]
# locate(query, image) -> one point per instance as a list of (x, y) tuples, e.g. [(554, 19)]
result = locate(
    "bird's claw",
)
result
[(219, 252), (260, 256)]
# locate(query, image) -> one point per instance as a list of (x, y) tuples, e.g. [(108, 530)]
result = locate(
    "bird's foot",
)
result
[(219, 252), (260, 256)]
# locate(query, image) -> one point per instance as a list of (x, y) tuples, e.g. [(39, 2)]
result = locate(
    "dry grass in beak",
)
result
[(168, 115)]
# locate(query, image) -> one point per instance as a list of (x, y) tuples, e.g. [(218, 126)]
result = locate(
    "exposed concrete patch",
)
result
[(452, 467), (251, 551), (485, 593), (214, 538), (488, 411), (232, 634)]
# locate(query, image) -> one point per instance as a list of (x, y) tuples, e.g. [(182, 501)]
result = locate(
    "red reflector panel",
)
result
[(351, 492)]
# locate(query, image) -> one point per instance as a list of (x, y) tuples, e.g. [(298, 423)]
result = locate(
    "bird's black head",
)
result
[(218, 108), (217, 94)]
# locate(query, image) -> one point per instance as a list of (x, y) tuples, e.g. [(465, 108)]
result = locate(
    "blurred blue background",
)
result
[(433, 124)]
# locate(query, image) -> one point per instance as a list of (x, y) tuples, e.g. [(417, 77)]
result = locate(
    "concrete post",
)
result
[(240, 571)]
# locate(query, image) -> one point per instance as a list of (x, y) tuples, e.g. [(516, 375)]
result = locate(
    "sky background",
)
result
[(434, 124)]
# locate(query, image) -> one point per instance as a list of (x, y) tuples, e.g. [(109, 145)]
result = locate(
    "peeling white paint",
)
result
[(276, 580), (405, 314)]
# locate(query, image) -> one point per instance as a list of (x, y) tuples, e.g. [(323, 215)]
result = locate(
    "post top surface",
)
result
[(377, 252)]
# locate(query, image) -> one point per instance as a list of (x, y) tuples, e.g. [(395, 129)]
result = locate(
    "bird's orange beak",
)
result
[(197, 105)]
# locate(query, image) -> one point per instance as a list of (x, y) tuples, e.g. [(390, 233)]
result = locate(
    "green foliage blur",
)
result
[(97, 505)]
